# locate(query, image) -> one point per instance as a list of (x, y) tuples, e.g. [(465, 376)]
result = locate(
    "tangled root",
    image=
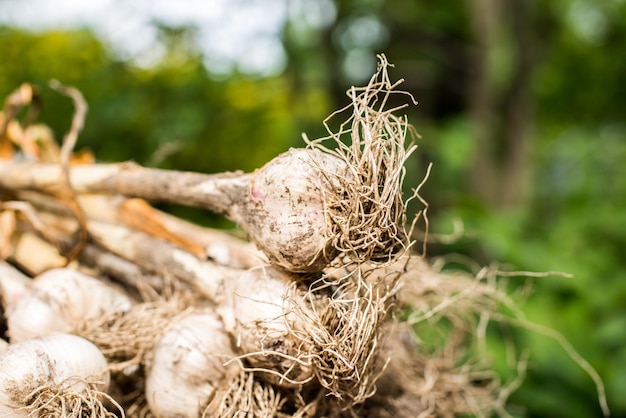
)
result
[(346, 346), (245, 397), (73, 398), (367, 211), (125, 338), (401, 341), (440, 383), (434, 366)]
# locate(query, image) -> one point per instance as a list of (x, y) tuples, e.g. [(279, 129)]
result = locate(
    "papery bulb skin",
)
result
[(63, 361), (285, 210), (59, 299), (269, 315), (188, 364)]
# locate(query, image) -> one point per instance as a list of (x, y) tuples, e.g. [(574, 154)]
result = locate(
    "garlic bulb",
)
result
[(188, 364), (57, 300), (62, 368), (271, 320), (285, 211)]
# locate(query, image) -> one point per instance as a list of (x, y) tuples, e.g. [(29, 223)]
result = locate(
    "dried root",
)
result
[(441, 383), (245, 397), (366, 210), (125, 338), (62, 400), (351, 331)]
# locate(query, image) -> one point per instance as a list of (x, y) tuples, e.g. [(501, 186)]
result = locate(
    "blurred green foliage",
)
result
[(555, 66)]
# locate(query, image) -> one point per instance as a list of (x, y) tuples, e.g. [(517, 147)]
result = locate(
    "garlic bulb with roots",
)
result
[(307, 206), (188, 364), (56, 301), (271, 317), (303, 208), (56, 375)]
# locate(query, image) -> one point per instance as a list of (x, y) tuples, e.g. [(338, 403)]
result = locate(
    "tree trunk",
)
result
[(501, 112), (517, 160), (484, 20)]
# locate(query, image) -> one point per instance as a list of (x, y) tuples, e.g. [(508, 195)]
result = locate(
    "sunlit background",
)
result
[(522, 109)]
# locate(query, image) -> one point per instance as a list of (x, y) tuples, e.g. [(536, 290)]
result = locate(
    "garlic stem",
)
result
[(188, 188)]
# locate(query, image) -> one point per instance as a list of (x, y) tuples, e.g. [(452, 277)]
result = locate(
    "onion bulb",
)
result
[(56, 375), (188, 365), (56, 301)]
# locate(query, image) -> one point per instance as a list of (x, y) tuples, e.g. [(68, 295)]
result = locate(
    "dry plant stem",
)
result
[(69, 142), (22, 96), (27, 243), (121, 270), (158, 256), (218, 245), (216, 192), (24, 212), (131, 257), (8, 222), (259, 203)]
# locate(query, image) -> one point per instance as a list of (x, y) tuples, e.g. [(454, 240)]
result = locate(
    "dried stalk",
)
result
[(218, 245), (216, 192)]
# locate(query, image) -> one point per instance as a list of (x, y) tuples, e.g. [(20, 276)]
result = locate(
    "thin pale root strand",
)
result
[(438, 383), (59, 401), (245, 397), (125, 338), (346, 346), (367, 210), (280, 375)]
